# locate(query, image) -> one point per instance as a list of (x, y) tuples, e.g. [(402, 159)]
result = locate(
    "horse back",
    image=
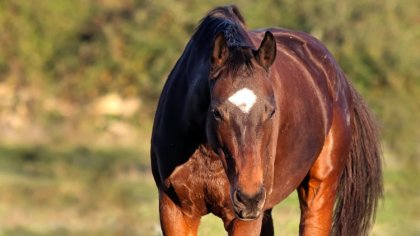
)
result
[(309, 85)]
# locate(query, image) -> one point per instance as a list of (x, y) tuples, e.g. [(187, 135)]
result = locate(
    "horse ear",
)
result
[(266, 54), (220, 51)]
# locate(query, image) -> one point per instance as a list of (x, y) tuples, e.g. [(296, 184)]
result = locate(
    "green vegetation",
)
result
[(80, 191), (76, 191), (79, 82)]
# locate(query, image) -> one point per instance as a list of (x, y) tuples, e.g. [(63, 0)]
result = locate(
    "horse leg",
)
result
[(267, 228), (239, 227), (173, 221), (318, 190)]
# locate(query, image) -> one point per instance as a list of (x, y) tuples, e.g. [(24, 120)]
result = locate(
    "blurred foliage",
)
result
[(89, 72), (79, 50), (76, 191), (81, 191)]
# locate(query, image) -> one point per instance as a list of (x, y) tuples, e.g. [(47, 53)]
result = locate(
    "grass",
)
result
[(75, 192), (82, 191)]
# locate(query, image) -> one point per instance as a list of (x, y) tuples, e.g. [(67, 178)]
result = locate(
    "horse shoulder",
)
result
[(200, 184)]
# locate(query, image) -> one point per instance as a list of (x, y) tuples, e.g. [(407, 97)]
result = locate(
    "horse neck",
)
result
[(187, 92)]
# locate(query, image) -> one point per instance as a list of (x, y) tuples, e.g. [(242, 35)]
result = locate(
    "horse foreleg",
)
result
[(239, 227), (318, 190), (316, 204), (173, 221), (267, 228)]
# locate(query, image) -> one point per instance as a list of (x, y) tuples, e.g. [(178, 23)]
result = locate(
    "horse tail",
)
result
[(360, 186)]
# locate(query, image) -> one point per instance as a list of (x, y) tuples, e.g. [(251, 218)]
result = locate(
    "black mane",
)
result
[(229, 21), (191, 76), (223, 19)]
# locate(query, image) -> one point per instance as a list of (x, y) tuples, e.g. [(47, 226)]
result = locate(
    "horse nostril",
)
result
[(238, 197), (245, 200), (261, 194), (248, 207)]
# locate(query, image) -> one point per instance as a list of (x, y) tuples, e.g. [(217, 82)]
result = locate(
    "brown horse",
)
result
[(247, 117)]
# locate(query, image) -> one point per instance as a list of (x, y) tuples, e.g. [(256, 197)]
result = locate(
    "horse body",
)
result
[(299, 82), (295, 131)]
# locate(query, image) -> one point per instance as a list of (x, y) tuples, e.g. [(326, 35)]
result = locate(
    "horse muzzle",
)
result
[(248, 207)]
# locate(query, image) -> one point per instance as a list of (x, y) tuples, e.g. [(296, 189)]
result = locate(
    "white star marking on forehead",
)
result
[(244, 99)]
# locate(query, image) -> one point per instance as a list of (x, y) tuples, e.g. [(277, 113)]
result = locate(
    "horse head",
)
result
[(241, 119)]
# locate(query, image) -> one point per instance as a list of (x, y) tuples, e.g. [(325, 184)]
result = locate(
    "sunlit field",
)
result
[(79, 84), (80, 191)]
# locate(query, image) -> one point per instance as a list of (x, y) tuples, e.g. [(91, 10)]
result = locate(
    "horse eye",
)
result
[(216, 114)]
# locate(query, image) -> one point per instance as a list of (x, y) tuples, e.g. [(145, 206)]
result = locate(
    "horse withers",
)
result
[(247, 117)]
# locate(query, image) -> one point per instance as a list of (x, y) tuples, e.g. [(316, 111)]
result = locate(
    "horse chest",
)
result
[(201, 185)]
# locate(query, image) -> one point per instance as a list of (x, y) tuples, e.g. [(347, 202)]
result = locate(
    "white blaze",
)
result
[(244, 99)]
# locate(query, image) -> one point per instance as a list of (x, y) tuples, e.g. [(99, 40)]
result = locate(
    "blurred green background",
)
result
[(79, 82)]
